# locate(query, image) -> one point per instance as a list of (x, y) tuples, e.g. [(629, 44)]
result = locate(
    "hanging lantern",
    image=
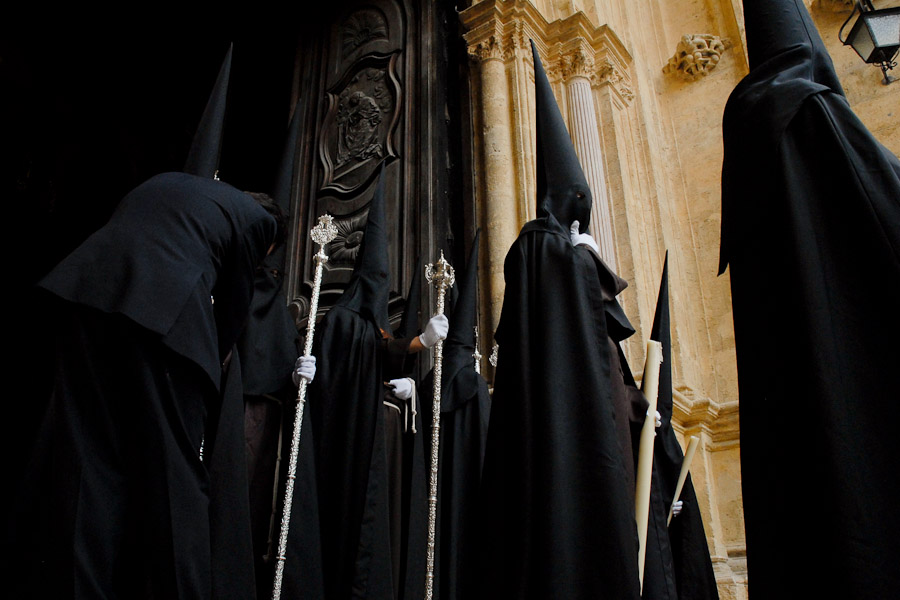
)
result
[(875, 36)]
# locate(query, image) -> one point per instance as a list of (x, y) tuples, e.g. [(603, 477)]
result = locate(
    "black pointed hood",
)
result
[(459, 365), (779, 30), (268, 343), (409, 323), (660, 332), (788, 65), (281, 189), (562, 189), (369, 287), (203, 158), (464, 317)]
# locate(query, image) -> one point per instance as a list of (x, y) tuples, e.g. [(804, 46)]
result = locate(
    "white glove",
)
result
[(435, 331), (304, 368), (676, 508), (402, 388), (582, 238), (658, 418)]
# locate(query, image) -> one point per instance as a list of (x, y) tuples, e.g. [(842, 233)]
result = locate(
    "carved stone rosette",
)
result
[(695, 56)]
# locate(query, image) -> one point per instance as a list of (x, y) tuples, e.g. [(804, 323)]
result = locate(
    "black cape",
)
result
[(126, 504), (346, 412), (811, 231), (558, 515), (465, 413)]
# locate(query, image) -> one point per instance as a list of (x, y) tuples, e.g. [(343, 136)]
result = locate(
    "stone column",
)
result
[(497, 202), (585, 133)]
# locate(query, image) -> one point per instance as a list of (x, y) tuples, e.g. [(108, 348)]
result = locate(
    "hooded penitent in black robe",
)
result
[(347, 414), (465, 411), (677, 563), (127, 505), (268, 348), (558, 511), (811, 232)]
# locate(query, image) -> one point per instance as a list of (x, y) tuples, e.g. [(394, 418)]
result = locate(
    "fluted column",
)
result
[(585, 133)]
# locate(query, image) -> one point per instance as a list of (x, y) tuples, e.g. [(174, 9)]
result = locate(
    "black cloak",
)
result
[(465, 412), (677, 563), (811, 231), (558, 512), (347, 415), (138, 473), (268, 347)]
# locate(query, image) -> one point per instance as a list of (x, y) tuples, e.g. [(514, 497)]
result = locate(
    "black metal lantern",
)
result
[(875, 36)]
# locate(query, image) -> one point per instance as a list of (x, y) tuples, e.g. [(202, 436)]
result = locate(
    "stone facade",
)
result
[(648, 132)]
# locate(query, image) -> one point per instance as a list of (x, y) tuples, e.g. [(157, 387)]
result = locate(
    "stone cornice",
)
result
[(571, 47), (719, 421)]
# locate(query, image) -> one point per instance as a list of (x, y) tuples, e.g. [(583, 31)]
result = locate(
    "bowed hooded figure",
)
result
[(558, 496), (811, 232), (138, 480), (137, 434)]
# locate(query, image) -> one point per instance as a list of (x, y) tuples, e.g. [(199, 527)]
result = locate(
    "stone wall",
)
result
[(643, 86)]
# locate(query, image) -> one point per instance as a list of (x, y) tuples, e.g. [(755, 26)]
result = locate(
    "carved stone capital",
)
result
[(487, 49), (570, 47), (607, 72), (578, 63), (695, 56)]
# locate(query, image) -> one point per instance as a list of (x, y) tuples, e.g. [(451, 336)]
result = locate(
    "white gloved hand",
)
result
[(402, 388), (435, 331), (676, 508), (658, 418), (304, 368), (582, 238)]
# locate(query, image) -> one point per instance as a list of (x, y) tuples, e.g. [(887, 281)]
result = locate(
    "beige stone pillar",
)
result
[(497, 203), (585, 133)]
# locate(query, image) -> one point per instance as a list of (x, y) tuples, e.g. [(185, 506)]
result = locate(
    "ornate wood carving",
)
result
[(372, 91), (363, 112)]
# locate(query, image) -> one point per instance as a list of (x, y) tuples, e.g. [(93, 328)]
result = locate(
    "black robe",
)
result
[(127, 505), (268, 349), (406, 475), (558, 515), (347, 415), (811, 232), (465, 413)]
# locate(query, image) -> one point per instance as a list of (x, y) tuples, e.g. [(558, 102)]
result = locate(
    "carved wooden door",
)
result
[(372, 90)]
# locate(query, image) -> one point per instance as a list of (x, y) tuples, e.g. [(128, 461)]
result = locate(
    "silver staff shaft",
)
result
[(321, 234), (441, 275)]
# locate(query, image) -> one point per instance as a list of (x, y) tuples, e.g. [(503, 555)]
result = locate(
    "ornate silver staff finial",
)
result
[(477, 355), (441, 275), (321, 234), (495, 352)]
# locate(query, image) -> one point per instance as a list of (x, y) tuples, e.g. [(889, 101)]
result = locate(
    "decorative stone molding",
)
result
[(571, 47), (835, 6), (719, 421), (487, 49), (695, 56)]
